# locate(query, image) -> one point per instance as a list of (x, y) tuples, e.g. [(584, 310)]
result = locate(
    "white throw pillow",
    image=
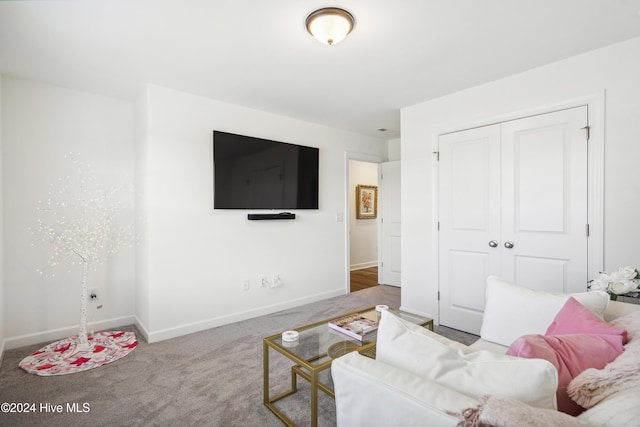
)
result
[(473, 373), (512, 311)]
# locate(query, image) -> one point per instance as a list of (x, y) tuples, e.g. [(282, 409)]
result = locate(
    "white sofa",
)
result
[(422, 379)]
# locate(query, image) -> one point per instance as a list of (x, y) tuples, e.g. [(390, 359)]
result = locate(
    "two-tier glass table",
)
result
[(314, 351)]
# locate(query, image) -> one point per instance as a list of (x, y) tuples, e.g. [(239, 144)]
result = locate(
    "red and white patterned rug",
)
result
[(64, 356)]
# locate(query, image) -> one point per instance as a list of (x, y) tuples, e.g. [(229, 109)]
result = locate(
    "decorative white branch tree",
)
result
[(79, 219)]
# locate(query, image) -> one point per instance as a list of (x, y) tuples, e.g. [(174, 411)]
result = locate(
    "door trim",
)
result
[(595, 104), (363, 157)]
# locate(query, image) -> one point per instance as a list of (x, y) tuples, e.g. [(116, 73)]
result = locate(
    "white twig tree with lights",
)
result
[(78, 219)]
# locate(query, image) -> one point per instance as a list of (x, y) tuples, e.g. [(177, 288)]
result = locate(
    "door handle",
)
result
[(508, 245), (493, 244)]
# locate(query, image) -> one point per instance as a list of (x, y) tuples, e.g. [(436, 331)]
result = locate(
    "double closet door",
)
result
[(512, 203)]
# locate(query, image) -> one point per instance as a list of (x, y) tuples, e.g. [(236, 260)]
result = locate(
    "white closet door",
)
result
[(512, 203), (469, 202), (544, 201)]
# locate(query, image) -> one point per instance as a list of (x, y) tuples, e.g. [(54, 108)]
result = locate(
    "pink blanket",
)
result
[(495, 411)]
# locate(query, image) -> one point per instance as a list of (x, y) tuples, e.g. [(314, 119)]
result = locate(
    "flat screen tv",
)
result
[(255, 173)]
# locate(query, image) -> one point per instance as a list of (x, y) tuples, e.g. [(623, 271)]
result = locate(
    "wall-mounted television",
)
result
[(256, 173)]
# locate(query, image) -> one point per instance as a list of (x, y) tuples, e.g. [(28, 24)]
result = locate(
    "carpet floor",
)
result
[(210, 378)]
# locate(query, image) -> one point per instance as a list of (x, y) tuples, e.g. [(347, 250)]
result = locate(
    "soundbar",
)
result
[(282, 215)]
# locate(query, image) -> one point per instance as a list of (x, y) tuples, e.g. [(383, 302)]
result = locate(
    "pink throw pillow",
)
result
[(570, 354), (574, 318)]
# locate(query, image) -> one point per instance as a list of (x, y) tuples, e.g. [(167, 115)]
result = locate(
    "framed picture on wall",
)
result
[(366, 201)]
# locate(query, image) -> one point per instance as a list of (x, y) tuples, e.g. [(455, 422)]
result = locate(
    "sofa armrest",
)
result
[(372, 393)]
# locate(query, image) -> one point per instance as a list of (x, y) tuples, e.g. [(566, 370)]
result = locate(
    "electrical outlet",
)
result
[(264, 282), (93, 294), (245, 285)]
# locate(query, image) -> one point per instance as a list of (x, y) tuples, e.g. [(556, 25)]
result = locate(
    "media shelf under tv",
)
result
[(281, 215)]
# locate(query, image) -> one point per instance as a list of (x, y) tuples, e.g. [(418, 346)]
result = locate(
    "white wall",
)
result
[(195, 258), (142, 261), (363, 244), (2, 333), (186, 269), (41, 124), (614, 69), (393, 150)]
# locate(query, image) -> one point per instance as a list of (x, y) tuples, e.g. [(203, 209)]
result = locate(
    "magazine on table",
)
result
[(355, 325)]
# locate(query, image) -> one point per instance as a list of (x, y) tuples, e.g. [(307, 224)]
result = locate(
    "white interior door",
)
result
[(512, 203), (469, 218), (389, 272), (544, 201)]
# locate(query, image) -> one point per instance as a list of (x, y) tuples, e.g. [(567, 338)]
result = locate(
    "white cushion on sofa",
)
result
[(473, 373), (512, 311), (371, 393), (489, 346)]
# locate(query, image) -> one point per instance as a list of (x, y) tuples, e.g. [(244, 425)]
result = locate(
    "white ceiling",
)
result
[(257, 53)]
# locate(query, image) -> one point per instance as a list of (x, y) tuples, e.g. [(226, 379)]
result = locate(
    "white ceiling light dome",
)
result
[(330, 25)]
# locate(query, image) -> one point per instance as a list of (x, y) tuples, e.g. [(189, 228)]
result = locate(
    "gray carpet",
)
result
[(210, 378)]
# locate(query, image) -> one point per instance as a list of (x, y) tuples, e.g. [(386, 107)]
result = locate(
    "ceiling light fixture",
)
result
[(330, 25)]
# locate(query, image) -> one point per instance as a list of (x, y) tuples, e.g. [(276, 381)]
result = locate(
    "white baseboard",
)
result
[(362, 265), (164, 334), (143, 329), (58, 334), (214, 322)]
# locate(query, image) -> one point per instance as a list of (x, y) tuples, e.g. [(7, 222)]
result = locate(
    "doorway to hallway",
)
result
[(364, 278)]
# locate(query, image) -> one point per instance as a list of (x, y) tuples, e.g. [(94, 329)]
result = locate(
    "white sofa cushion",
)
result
[(489, 346), (474, 373), (512, 311), (371, 393)]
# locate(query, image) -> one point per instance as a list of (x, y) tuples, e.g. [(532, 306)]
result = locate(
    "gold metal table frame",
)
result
[(310, 357)]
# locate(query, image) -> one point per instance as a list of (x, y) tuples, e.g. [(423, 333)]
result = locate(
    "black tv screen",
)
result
[(255, 173)]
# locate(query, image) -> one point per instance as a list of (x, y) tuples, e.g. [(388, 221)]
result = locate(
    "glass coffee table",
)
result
[(314, 351)]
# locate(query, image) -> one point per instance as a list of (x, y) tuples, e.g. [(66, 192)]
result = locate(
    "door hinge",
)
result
[(381, 220), (438, 295), (438, 225), (381, 264), (381, 176), (587, 230), (588, 129), (437, 153)]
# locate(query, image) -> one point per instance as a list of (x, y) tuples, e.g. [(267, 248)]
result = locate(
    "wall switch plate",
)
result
[(245, 285), (93, 294)]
